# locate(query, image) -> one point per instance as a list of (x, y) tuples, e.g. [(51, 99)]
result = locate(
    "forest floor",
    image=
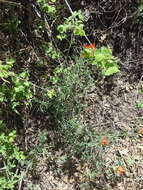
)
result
[(113, 106)]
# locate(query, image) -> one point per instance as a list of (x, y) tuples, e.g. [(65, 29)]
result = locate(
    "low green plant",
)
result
[(65, 103), (51, 93), (138, 16), (103, 59), (73, 24), (5, 69), (39, 149), (15, 88), (140, 8), (48, 6), (10, 156), (78, 138), (21, 93), (70, 85), (51, 51), (140, 104)]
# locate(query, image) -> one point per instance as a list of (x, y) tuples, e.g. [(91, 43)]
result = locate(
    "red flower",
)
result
[(90, 46), (104, 141), (120, 170)]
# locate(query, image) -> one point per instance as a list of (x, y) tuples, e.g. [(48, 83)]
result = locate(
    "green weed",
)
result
[(73, 24), (70, 85), (48, 6), (51, 52), (10, 156), (15, 88), (103, 59)]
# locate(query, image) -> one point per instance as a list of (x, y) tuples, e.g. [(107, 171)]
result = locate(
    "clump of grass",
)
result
[(70, 85), (79, 142)]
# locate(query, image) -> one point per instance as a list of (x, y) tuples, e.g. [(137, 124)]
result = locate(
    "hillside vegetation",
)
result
[(71, 96)]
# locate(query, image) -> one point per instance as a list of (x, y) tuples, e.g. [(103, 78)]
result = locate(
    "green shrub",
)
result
[(10, 156), (103, 59), (15, 89), (70, 85), (73, 24), (51, 52), (48, 6)]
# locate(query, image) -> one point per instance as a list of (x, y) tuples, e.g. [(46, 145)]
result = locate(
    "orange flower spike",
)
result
[(90, 46), (120, 170), (104, 141)]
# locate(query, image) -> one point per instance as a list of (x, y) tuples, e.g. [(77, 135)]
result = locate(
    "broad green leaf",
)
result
[(10, 61), (110, 71)]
